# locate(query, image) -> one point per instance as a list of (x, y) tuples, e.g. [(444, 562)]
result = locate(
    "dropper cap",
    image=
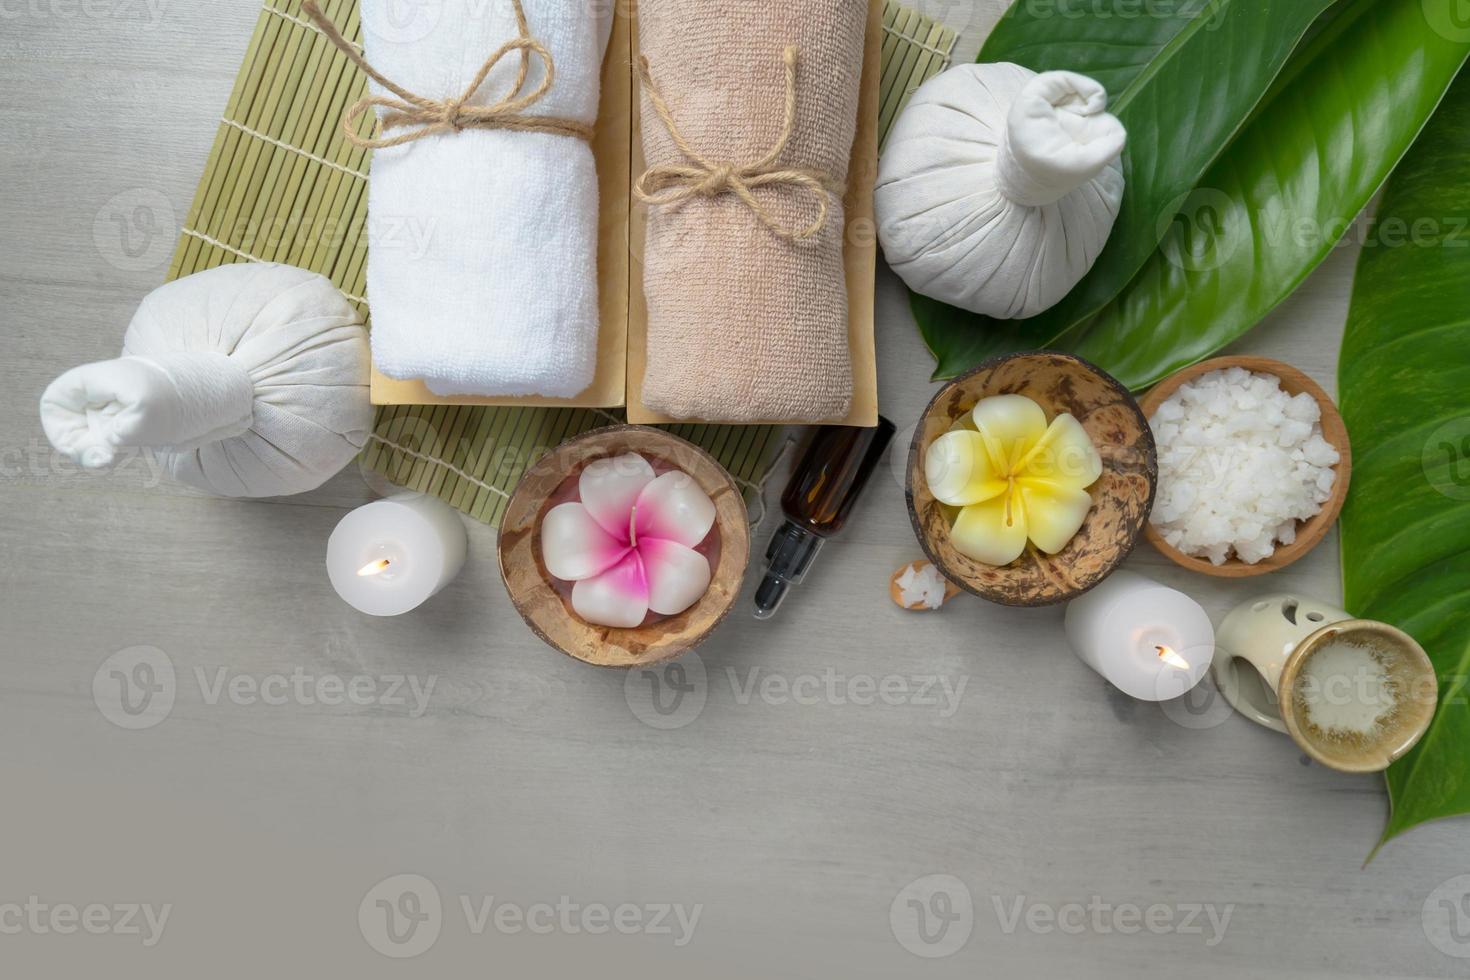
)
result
[(790, 553)]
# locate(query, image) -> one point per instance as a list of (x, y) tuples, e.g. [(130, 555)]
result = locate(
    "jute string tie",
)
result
[(432, 116), (674, 183)]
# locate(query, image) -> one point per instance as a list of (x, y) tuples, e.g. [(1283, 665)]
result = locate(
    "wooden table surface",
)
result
[(792, 807)]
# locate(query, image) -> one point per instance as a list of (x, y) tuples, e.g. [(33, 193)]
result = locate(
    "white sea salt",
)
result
[(1240, 463), (1346, 690), (921, 583)]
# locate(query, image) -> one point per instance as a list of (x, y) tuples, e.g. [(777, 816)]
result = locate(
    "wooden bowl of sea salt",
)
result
[(1218, 466)]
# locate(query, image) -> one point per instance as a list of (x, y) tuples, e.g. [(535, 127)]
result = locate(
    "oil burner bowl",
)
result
[(1121, 498), (544, 609)]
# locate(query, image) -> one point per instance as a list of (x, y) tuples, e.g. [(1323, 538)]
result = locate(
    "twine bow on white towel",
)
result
[(434, 116)]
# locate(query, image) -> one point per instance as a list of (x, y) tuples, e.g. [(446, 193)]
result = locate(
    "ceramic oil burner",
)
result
[(1352, 693)]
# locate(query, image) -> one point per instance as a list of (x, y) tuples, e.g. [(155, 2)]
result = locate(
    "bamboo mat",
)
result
[(915, 49), (282, 185)]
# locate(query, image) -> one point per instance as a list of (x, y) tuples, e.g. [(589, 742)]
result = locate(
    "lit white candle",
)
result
[(1146, 639), (389, 556)]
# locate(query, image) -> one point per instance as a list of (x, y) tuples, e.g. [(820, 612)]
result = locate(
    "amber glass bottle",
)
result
[(825, 484)]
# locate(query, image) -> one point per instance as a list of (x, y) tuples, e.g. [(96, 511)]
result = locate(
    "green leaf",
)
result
[(1404, 379), (956, 345), (1182, 78), (1280, 198), (1071, 35)]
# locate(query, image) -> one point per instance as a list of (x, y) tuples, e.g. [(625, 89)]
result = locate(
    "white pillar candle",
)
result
[(1146, 639), (389, 556)]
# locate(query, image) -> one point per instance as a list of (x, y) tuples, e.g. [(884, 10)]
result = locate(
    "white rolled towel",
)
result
[(249, 380), (482, 258), (999, 187)]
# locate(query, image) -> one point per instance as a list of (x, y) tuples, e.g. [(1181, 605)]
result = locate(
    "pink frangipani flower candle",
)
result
[(628, 544)]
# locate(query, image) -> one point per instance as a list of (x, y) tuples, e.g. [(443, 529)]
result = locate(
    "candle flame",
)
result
[(1171, 658), (374, 567)]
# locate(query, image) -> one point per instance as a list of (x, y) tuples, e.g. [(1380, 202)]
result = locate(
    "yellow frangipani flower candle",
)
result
[(1014, 477)]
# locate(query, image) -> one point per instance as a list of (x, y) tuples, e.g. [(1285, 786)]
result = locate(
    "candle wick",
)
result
[(374, 567), (633, 527)]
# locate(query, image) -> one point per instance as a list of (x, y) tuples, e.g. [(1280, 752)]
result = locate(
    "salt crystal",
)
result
[(1291, 433), (1303, 408), (924, 585), (1319, 451)]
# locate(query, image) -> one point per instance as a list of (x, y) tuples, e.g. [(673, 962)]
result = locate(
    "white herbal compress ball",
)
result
[(998, 187), (250, 380)]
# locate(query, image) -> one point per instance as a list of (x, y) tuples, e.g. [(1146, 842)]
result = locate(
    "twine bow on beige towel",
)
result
[(432, 116), (673, 183)]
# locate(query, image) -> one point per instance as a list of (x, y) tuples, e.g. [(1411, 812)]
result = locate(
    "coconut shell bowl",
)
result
[(1121, 497), (1309, 533), (542, 601)]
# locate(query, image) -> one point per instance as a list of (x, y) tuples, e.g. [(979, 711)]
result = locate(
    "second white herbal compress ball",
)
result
[(999, 187), (248, 380)]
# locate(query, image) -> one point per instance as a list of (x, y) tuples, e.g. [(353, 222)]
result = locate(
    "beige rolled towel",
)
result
[(747, 300)]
